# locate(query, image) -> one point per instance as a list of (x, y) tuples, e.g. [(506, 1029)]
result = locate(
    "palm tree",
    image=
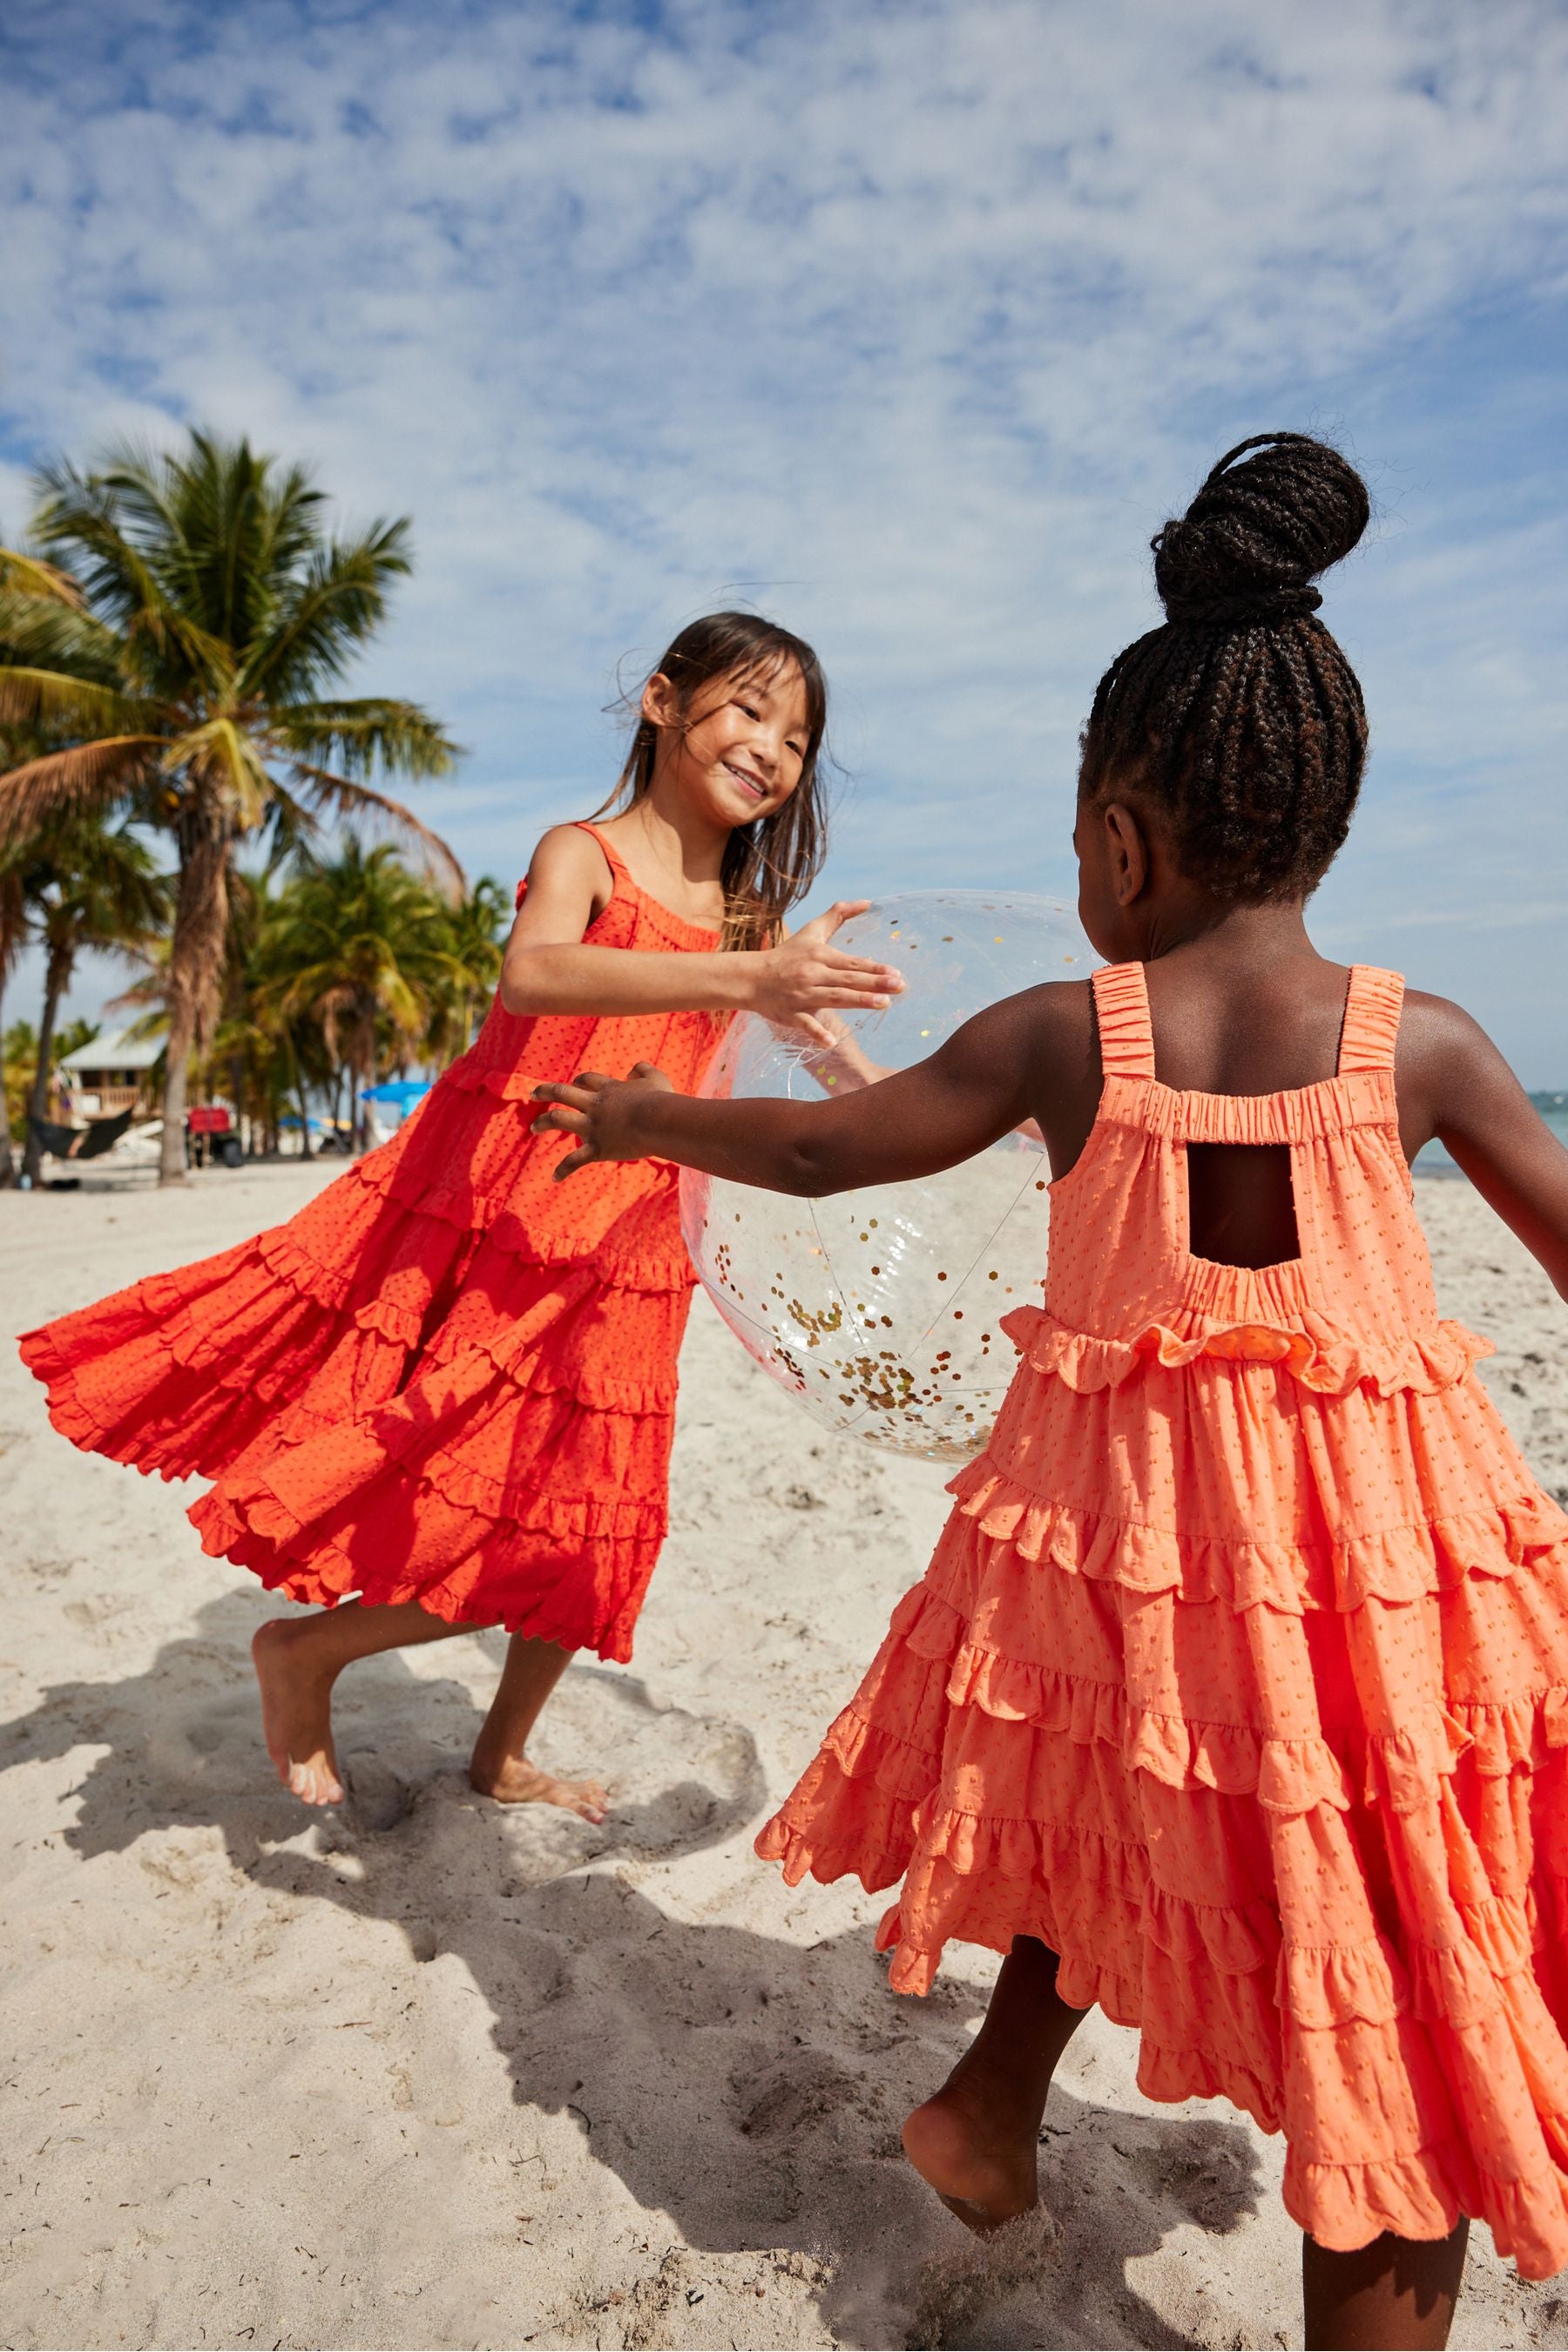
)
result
[(361, 949), (187, 644), (271, 1056), (13, 932), (19, 1056), (18, 743), (88, 885), (475, 936)]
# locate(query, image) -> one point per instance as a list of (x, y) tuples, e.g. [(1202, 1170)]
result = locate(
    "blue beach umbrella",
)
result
[(399, 1090)]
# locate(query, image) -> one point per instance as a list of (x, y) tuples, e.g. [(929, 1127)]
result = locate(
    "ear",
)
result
[(1127, 851), (660, 703)]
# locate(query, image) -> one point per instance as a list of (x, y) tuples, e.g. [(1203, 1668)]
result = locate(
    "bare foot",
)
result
[(515, 1782), (297, 1710), (980, 2161)]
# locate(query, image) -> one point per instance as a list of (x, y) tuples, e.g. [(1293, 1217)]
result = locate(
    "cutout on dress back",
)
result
[(1241, 1203)]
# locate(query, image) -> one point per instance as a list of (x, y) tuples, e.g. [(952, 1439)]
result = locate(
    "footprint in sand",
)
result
[(678, 1781)]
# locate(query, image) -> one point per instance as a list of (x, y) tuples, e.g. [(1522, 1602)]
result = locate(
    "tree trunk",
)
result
[(196, 967), (57, 973), (7, 1161), (171, 1151), (305, 1152)]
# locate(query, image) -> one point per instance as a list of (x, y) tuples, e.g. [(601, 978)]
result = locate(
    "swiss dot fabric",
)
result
[(1241, 1675), (448, 1380)]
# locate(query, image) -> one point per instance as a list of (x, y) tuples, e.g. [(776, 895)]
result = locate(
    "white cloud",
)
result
[(914, 320)]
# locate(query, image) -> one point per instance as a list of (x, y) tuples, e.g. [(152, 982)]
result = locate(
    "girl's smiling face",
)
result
[(738, 753)]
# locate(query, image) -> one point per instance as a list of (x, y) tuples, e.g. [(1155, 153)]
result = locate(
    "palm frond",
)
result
[(30, 697), (135, 567), (343, 798), (84, 512), (39, 631), (89, 774), (33, 577), (292, 528), (330, 610), (356, 736)]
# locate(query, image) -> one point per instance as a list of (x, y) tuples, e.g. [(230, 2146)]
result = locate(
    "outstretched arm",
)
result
[(1454, 1085), (548, 968), (985, 1080)]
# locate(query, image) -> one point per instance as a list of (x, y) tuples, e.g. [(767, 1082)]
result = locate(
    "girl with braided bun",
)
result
[(1234, 1699)]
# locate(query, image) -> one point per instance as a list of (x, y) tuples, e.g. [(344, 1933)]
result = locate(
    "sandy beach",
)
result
[(426, 2073)]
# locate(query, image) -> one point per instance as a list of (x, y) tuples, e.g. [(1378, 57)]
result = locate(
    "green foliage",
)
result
[(19, 1048), (174, 652), (347, 969), (73, 1037), (361, 954)]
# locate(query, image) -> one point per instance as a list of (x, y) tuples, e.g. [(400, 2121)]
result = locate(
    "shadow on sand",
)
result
[(689, 2057)]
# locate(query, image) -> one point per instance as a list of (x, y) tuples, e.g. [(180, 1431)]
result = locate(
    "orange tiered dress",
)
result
[(448, 1380), (1239, 1676)]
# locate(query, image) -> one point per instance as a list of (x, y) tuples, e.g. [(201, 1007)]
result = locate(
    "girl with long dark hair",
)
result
[(442, 1396)]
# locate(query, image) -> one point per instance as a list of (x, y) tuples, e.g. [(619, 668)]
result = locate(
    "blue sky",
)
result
[(908, 323)]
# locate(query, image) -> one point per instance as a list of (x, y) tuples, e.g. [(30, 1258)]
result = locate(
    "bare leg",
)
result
[(975, 2141), (500, 1767), (1396, 2296), (298, 1660)]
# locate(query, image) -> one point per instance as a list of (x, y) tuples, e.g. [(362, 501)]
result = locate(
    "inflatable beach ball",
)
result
[(881, 1309)]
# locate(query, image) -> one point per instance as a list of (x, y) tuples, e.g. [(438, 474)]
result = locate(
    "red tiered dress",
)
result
[(448, 1380), (1239, 1676)]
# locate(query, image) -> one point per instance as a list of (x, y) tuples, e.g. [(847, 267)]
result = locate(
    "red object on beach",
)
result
[(448, 1380), (208, 1118)]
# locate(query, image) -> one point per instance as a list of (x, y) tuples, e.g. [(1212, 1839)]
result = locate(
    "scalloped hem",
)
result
[(1423, 2196), (1329, 1362), (851, 1815), (181, 1412), (581, 1588), (536, 1618), (1396, 1564), (1418, 2194), (1403, 1770)]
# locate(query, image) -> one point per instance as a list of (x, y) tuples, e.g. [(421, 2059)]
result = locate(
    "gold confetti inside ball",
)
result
[(881, 1310)]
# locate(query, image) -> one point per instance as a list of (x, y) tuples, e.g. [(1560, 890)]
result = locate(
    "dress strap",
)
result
[(618, 865), (1121, 1009), (1371, 1030)]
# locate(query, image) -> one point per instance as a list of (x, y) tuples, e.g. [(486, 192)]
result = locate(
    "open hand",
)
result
[(600, 1111), (806, 977)]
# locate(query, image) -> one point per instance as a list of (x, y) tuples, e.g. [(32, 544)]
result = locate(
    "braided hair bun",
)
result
[(1241, 716), (1258, 533)]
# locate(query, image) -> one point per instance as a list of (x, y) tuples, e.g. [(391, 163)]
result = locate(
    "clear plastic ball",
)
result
[(881, 1309)]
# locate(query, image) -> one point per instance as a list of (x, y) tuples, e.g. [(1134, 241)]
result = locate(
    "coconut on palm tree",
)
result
[(186, 641), (86, 885)]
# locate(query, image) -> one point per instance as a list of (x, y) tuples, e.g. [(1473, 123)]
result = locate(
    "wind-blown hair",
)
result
[(768, 865), (1241, 719)]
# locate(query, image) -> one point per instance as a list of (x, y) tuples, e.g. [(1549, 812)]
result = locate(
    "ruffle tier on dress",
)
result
[(448, 1380), (1239, 1678)]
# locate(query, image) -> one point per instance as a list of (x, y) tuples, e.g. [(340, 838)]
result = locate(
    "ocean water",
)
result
[(1553, 1109)]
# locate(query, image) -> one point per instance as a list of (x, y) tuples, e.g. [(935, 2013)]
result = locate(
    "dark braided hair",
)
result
[(1240, 719)]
